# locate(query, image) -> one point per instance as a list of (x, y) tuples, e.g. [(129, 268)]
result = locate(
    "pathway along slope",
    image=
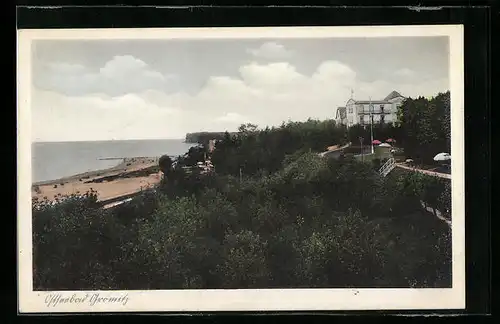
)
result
[(436, 212), (431, 173)]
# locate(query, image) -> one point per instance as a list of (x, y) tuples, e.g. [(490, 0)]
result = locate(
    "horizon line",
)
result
[(110, 140)]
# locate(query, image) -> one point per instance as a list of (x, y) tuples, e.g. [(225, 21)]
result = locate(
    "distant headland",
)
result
[(205, 137)]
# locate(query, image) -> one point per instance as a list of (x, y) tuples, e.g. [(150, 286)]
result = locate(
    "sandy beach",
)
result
[(130, 176)]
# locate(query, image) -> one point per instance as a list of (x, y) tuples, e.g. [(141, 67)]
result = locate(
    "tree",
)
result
[(293, 220), (165, 164), (247, 128), (425, 126), (444, 200)]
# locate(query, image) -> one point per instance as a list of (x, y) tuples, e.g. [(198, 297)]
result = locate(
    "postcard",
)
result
[(241, 169)]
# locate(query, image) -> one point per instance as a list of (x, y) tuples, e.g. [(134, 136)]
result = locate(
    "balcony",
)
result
[(376, 112)]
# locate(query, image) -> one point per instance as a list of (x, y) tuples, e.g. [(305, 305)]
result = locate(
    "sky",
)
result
[(150, 89)]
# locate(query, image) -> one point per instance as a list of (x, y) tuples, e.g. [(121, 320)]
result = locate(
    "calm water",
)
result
[(53, 160)]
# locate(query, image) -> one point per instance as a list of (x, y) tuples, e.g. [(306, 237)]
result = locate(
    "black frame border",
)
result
[(477, 54)]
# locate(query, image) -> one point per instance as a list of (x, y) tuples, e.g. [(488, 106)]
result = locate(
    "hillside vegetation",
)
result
[(273, 214)]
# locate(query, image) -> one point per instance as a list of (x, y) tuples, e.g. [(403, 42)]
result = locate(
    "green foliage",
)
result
[(264, 151), (203, 137), (381, 132), (244, 260), (444, 200), (290, 219), (247, 128), (72, 230), (425, 124), (165, 164)]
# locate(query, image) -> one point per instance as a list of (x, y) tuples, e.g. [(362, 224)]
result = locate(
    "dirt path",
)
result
[(436, 212), (431, 173)]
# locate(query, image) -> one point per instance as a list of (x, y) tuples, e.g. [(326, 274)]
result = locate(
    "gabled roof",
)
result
[(392, 95), (386, 100)]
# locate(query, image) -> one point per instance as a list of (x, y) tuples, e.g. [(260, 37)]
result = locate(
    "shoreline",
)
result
[(118, 168), (131, 175)]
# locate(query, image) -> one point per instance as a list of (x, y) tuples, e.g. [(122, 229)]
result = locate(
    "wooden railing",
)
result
[(388, 166)]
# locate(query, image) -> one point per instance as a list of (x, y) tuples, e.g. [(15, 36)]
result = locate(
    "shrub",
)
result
[(291, 219)]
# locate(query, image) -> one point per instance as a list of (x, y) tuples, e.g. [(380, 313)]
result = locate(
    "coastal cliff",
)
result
[(204, 137)]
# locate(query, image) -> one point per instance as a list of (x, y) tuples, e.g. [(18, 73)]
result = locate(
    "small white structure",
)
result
[(442, 157)]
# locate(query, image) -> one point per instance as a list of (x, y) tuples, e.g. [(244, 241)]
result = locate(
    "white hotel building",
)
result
[(359, 111)]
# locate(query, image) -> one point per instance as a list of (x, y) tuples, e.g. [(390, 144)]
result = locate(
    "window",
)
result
[(350, 110), (367, 119), (382, 108)]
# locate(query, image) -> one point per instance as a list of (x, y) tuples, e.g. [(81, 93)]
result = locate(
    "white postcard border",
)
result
[(30, 301)]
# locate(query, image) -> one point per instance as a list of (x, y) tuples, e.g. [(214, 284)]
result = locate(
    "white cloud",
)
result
[(264, 94), (379, 89), (102, 117), (405, 72), (122, 65), (233, 118), (273, 76), (271, 50), (121, 74)]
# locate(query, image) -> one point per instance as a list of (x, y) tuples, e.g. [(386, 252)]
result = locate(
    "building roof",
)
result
[(393, 95), (372, 102)]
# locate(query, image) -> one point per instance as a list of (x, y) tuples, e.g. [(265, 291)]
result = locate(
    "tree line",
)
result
[(273, 214), (314, 223), (203, 137)]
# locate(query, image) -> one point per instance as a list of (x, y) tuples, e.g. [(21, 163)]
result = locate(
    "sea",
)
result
[(54, 160)]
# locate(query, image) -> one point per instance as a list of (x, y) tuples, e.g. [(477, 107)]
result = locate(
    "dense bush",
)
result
[(73, 230), (254, 152), (426, 126), (314, 223), (273, 214)]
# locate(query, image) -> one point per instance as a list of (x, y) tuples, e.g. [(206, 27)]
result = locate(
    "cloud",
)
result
[(233, 118), (381, 88), (120, 75), (99, 117), (405, 72), (264, 94), (273, 76), (272, 51)]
